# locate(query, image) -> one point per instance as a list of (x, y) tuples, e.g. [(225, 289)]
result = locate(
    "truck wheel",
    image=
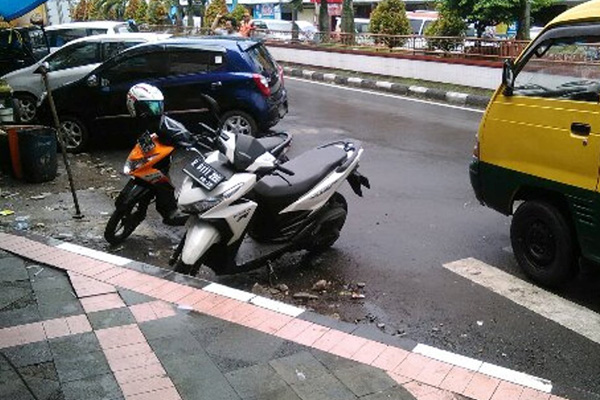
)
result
[(543, 243)]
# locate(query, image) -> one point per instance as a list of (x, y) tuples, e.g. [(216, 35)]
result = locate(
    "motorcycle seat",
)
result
[(309, 169), (270, 142)]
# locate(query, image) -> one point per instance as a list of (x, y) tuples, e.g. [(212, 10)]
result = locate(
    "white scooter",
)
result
[(242, 191)]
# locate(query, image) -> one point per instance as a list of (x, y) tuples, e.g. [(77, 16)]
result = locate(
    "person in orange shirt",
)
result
[(246, 27)]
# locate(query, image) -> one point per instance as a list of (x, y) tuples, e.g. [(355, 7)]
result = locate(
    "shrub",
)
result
[(449, 23), (214, 8), (389, 18)]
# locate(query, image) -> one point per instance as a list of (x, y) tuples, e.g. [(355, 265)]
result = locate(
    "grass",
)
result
[(393, 79)]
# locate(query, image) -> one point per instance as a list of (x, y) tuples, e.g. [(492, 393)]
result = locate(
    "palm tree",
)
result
[(112, 9)]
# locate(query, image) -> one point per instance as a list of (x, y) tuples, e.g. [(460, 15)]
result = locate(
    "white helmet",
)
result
[(144, 100)]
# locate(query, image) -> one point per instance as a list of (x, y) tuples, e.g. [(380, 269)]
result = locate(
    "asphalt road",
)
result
[(420, 214)]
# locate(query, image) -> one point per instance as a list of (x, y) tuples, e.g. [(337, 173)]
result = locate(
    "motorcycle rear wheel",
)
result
[(330, 224), (123, 222)]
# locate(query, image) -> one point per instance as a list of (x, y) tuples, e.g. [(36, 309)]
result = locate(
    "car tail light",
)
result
[(280, 69), (262, 84)]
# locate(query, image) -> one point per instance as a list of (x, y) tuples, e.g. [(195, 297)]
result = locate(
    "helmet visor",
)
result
[(155, 107)]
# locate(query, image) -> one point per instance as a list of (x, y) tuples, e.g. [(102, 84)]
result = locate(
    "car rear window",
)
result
[(59, 37), (263, 63), (193, 62)]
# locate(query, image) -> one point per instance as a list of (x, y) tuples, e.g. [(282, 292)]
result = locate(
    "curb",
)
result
[(455, 98), (303, 318)]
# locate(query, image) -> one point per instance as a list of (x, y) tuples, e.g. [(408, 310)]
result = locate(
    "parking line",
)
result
[(393, 96), (564, 312)]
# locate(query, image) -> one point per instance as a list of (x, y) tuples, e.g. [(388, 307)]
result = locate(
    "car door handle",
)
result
[(216, 85), (580, 129)]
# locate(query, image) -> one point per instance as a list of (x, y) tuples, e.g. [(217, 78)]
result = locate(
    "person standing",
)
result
[(246, 27)]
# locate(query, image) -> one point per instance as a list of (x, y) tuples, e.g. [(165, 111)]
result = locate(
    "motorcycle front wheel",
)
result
[(124, 221)]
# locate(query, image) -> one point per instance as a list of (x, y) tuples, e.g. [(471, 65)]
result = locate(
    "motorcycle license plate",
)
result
[(204, 174), (146, 143)]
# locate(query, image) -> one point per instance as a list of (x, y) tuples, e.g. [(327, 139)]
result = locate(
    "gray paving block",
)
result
[(11, 386), (44, 388), (286, 393), (132, 298), (323, 388), (22, 315), (363, 379), (45, 371), (394, 393), (255, 381), (165, 327), (110, 318), (29, 354), (182, 344), (299, 367), (197, 377), (100, 387), (12, 269), (288, 348), (436, 94), (241, 343), (331, 361), (9, 295), (81, 366), (76, 344), (226, 365), (48, 279), (399, 88), (207, 330), (57, 303)]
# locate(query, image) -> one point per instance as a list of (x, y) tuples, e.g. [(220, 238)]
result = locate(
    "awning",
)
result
[(11, 9)]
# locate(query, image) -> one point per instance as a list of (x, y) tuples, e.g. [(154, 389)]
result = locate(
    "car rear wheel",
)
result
[(239, 122), (75, 134), (27, 107), (543, 244)]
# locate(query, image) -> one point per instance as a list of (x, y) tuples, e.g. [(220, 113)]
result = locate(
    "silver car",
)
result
[(69, 63)]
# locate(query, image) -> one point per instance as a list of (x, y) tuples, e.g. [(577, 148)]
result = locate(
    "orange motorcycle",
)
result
[(148, 166)]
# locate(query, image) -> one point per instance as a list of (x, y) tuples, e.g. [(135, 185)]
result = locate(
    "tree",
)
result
[(389, 18), (449, 23), (132, 9), (111, 9), (485, 13), (157, 12), (80, 11), (215, 8), (324, 24), (348, 21), (141, 16), (238, 12), (296, 6)]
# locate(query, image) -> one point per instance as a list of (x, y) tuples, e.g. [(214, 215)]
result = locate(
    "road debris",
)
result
[(305, 296), (321, 285), (357, 296), (6, 213), (40, 196), (22, 223)]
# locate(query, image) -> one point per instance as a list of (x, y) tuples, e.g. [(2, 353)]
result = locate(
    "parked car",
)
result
[(59, 35), (420, 20), (68, 64), (239, 74), (20, 47), (279, 29)]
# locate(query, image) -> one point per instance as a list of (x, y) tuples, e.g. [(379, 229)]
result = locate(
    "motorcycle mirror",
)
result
[(213, 107), (43, 68)]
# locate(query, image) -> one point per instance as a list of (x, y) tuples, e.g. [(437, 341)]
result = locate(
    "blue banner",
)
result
[(11, 9)]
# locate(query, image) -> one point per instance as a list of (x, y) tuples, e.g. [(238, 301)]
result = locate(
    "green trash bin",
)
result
[(37, 148)]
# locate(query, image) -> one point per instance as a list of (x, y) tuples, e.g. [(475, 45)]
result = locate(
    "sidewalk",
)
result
[(96, 326)]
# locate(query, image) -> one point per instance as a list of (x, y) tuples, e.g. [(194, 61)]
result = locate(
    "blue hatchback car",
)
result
[(239, 74)]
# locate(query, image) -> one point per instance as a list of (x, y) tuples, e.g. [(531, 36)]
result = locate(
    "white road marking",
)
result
[(448, 357), (418, 89), (355, 80), (384, 84), (564, 312), (495, 371), (98, 255), (393, 96), (226, 291), (517, 377), (277, 306), (329, 77)]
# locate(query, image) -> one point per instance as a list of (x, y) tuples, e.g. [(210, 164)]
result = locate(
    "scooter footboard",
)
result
[(200, 236)]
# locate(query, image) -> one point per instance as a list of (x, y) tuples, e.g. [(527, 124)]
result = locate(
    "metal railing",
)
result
[(434, 46)]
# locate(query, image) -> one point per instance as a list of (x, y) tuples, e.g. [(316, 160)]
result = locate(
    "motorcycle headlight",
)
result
[(200, 207), (132, 165)]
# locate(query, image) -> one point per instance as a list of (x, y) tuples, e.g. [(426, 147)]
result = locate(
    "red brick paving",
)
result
[(481, 387)]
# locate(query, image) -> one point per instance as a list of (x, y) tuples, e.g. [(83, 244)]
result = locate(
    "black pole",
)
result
[(63, 148)]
